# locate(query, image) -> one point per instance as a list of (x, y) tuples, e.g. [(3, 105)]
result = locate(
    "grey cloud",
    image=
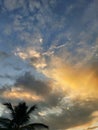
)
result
[(43, 88), (6, 76), (11, 5), (94, 68), (3, 55), (30, 83), (54, 99), (40, 87), (2, 89), (79, 114)]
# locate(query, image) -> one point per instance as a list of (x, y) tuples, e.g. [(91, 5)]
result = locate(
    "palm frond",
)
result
[(35, 125), (4, 128), (32, 109), (4, 119), (5, 122), (20, 116), (9, 106)]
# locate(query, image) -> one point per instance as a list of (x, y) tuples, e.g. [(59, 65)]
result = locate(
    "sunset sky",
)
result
[(49, 57)]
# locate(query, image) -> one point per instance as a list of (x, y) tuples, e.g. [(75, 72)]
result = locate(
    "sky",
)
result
[(49, 57)]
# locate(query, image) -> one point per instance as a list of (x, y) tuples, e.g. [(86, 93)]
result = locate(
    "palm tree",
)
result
[(20, 115)]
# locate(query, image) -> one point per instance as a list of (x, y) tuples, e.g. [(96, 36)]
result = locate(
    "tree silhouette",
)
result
[(20, 116)]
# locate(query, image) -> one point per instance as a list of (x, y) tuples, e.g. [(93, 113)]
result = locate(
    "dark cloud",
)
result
[(43, 88), (79, 114), (28, 82)]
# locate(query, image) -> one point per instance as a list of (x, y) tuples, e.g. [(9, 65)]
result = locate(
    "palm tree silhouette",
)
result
[(20, 115)]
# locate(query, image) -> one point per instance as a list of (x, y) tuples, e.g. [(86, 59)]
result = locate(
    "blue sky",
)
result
[(49, 55)]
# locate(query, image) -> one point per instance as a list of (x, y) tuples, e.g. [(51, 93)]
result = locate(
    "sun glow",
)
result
[(81, 81), (22, 95)]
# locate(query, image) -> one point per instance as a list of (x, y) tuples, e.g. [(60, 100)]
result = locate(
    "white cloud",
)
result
[(27, 53), (35, 58), (49, 111)]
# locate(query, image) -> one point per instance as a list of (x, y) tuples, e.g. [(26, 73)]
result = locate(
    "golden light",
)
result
[(81, 81), (16, 94)]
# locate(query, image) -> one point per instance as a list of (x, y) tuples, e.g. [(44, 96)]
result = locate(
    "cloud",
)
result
[(65, 53), (72, 75), (78, 114), (11, 5), (27, 53), (81, 81), (59, 109), (27, 87), (27, 81), (69, 82), (21, 95), (64, 69), (35, 58), (3, 55), (6, 76)]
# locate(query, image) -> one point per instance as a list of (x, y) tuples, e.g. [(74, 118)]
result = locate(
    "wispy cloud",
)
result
[(19, 94), (78, 83), (62, 50)]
